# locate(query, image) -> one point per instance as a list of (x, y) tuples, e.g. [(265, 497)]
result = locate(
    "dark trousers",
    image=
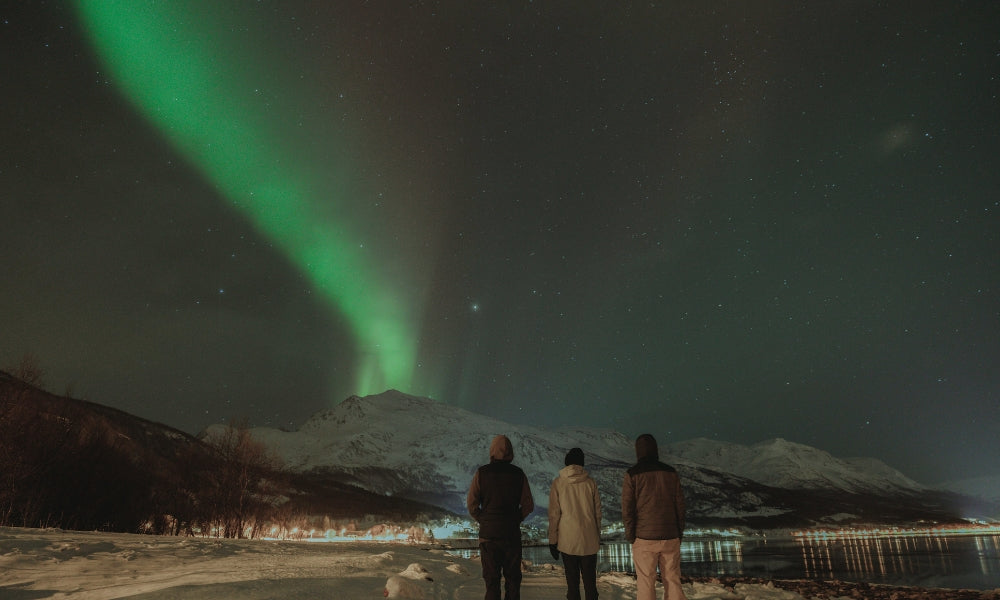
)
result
[(577, 567), (501, 557)]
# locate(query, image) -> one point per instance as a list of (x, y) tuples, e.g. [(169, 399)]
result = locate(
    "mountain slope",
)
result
[(392, 443), (76, 464), (985, 488), (396, 444), (785, 464)]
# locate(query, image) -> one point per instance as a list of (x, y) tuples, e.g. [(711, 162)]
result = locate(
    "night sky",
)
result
[(734, 220)]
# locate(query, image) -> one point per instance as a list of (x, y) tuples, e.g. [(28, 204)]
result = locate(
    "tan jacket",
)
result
[(575, 512)]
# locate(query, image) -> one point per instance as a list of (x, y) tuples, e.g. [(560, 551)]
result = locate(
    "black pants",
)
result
[(501, 557), (577, 567)]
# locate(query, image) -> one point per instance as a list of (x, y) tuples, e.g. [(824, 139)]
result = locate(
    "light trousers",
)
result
[(647, 555)]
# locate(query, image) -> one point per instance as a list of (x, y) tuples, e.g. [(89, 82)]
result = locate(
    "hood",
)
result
[(501, 449), (573, 473), (645, 447)]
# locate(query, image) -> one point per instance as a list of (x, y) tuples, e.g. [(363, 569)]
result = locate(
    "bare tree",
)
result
[(245, 483), (30, 447), (29, 370)]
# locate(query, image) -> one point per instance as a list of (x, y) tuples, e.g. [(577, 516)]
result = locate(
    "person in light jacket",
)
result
[(575, 525), (499, 499), (653, 514)]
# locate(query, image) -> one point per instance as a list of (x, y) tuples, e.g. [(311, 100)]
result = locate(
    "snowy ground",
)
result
[(84, 565)]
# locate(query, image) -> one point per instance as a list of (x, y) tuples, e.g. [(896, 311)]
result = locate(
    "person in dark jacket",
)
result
[(653, 514), (499, 499)]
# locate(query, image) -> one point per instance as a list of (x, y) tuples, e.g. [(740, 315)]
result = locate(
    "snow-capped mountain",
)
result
[(985, 488), (396, 444), (784, 464), (393, 443)]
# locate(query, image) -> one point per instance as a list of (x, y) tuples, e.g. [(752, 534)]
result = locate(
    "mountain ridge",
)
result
[(783, 463), (77, 464), (397, 444)]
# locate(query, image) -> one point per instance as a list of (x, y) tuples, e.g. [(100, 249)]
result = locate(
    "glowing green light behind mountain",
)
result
[(180, 67)]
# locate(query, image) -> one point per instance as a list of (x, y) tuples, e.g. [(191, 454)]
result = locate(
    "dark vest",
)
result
[(500, 486)]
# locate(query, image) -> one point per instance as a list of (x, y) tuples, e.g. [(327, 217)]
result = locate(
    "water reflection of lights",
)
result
[(615, 557), (892, 552), (989, 553), (712, 551), (618, 557), (877, 532), (863, 556)]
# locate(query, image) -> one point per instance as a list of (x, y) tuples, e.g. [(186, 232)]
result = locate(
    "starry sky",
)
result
[(734, 220)]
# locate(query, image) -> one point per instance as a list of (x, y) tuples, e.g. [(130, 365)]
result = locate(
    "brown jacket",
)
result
[(652, 499)]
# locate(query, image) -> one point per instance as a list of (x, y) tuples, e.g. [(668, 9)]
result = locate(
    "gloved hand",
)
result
[(554, 550)]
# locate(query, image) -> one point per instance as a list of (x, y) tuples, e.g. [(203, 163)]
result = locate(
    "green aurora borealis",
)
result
[(732, 220), (166, 57)]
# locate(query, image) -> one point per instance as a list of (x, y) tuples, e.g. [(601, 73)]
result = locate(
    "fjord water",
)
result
[(944, 561)]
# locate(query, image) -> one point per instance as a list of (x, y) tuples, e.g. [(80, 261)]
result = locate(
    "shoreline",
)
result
[(48, 563), (810, 588), (821, 585)]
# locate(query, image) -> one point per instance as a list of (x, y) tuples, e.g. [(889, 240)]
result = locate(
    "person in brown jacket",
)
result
[(499, 499), (653, 514)]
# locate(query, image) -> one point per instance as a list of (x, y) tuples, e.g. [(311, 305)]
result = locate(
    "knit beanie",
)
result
[(574, 457)]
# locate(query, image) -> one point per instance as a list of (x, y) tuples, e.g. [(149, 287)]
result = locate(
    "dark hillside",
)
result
[(75, 464), (79, 465)]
